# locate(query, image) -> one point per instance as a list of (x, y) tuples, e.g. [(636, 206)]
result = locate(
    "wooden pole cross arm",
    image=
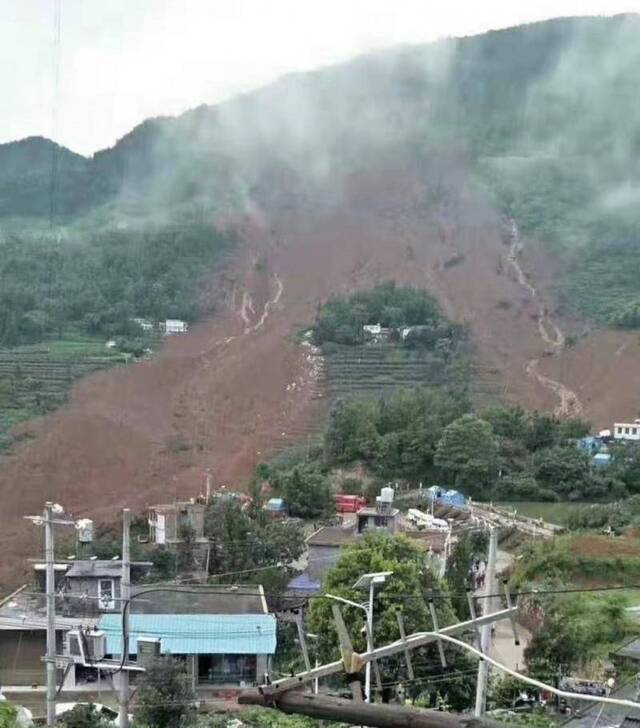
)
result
[(374, 715), (418, 639)]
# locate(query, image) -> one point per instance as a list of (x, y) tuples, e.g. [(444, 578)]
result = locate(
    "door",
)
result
[(106, 598)]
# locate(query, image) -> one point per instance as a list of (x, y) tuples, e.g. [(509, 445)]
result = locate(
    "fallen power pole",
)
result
[(375, 715), (285, 694), (353, 662)]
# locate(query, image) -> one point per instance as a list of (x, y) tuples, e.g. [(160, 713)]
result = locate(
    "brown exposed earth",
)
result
[(240, 385)]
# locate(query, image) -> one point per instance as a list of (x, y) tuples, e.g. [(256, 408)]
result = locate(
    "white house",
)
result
[(376, 332), (627, 430), (175, 326), (144, 324), (372, 329)]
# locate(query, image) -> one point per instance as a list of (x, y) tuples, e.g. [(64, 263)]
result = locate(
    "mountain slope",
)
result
[(414, 164)]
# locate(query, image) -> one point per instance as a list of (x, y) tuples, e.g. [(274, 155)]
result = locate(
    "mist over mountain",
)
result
[(558, 90), (544, 115)]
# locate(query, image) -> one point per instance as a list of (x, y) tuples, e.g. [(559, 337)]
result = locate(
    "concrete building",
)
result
[(167, 521), (23, 623), (226, 638), (175, 326), (324, 547), (376, 333), (93, 587), (627, 431)]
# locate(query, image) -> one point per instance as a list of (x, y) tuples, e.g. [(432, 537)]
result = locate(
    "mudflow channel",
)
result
[(550, 333)]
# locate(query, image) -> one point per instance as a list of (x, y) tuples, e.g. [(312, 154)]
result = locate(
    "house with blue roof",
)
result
[(226, 635)]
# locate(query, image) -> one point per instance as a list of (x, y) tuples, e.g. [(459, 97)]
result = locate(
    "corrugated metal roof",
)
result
[(82, 569), (194, 634)]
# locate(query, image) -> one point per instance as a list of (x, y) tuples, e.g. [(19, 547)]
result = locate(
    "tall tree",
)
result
[(412, 584), (467, 451)]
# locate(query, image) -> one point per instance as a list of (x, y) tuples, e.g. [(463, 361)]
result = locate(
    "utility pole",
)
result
[(52, 515), (485, 632), (51, 613), (125, 595)]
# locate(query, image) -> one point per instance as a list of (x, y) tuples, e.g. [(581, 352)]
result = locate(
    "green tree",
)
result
[(565, 470), (467, 451), (575, 631), (165, 698), (507, 422), (305, 489), (352, 434), (241, 540), (409, 588), (8, 715), (468, 547)]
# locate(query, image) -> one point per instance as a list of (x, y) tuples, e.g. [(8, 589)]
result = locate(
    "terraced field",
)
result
[(379, 370), (36, 379)]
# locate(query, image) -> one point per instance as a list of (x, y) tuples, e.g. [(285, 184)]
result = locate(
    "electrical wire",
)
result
[(530, 680)]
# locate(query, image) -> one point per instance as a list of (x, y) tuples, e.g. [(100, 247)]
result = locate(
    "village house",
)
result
[(629, 431), (226, 638), (376, 333), (175, 326), (325, 545), (168, 521), (93, 586)]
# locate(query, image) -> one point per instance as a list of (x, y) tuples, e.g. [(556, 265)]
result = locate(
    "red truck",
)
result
[(349, 503)]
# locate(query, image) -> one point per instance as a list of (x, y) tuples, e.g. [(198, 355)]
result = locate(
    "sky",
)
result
[(119, 62)]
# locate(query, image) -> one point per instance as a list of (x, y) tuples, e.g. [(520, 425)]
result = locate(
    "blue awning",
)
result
[(195, 634)]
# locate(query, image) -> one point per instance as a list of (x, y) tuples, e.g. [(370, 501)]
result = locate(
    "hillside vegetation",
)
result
[(432, 431), (99, 283), (419, 346)]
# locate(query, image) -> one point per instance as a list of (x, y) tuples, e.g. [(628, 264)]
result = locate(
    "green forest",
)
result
[(98, 285), (341, 319)]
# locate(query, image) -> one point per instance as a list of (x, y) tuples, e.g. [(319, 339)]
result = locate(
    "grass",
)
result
[(590, 560), (551, 512)]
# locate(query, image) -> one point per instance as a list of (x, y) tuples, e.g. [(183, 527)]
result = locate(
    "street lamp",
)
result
[(366, 581)]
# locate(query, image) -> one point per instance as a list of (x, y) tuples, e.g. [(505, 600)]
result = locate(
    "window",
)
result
[(106, 594), (626, 430), (634, 430)]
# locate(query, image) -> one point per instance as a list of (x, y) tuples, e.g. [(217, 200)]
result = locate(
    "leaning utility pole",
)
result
[(375, 715), (485, 632), (125, 595)]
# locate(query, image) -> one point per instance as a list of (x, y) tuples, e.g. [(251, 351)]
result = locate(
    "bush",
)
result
[(164, 698), (85, 716), (521, 487)]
